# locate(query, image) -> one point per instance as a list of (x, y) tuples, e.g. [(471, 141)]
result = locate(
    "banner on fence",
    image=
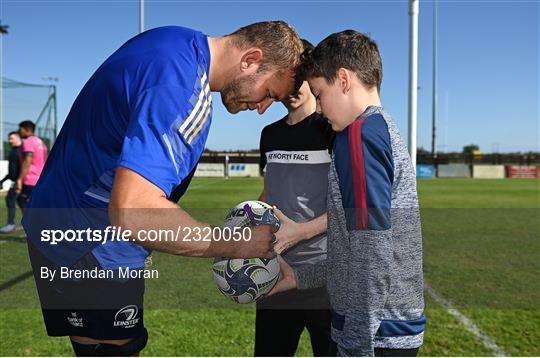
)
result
[(488, 171), (425, 171), (243, 170), (210, 170), (454, 171), (523, 171)]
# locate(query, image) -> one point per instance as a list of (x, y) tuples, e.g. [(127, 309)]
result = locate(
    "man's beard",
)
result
[(236, 90)]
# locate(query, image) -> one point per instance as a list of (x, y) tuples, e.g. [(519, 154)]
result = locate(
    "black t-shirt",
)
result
[(297, 160), (14, 165), (313, 133)]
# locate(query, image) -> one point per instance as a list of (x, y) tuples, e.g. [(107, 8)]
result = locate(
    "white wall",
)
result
[(210, 170), (3, 172), (488, 171), (243, 170), (454, 171)]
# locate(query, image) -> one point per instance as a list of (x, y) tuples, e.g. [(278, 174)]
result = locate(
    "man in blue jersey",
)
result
[(125, 155)]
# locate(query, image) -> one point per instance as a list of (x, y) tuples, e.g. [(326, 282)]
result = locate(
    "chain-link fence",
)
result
[(27, 101)]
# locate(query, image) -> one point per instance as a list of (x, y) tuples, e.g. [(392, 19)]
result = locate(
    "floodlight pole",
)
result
[(226, 166), (1, 97), (3, 31), (141, 16), (413, 77), (434, 97)]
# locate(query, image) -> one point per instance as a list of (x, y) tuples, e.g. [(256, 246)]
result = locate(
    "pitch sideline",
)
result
[(465, 321)]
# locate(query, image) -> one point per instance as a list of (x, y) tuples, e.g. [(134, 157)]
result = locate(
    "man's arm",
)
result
[(136, 204), (25, 167), (157, 145)]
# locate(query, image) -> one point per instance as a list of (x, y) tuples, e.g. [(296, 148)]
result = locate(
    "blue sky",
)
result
[(488, 57)]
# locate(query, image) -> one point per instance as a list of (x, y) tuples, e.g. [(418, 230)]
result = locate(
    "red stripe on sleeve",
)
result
[(359, 177)]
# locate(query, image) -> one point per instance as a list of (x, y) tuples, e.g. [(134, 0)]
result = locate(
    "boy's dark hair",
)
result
[(298, 80), (346, 49), (28, 125), (280, 43), (13, 133), (308, 46)]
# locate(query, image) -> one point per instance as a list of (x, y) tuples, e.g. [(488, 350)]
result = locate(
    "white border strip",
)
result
[(96, 196), (469, 325), (298, 157)]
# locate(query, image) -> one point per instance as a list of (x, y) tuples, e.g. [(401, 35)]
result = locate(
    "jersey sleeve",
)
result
[(311, 276), (166, 134), (365, 169), (28, 146)]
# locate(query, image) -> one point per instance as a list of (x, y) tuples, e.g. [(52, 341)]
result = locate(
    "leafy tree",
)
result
[(470, 149)]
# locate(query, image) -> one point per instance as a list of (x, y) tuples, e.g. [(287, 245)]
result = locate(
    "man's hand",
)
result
[(260, 245), (287, 280), (18, 186), (289, 234)]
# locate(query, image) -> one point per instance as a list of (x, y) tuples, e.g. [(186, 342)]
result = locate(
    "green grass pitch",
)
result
[(481, 253)]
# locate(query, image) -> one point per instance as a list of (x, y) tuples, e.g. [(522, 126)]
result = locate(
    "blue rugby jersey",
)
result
[(147, 108)]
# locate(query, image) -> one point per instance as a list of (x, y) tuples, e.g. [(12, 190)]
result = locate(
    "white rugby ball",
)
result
[(246, 280)]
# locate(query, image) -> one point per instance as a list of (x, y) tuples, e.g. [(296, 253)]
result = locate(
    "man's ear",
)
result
[(344, 80), (251, 60)]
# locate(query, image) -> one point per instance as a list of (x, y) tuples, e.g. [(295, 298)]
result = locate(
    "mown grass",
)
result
[(481, 249)]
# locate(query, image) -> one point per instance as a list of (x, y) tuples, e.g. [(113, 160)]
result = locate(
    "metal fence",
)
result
[(26, 101)]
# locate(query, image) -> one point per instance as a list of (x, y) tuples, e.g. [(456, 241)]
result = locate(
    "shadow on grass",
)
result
[(19, 237), (15, 280)]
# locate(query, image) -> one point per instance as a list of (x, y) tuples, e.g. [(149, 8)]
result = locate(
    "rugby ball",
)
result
[(246, 280)]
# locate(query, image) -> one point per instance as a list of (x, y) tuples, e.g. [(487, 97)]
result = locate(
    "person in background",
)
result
[(14, 167), (33, 154)]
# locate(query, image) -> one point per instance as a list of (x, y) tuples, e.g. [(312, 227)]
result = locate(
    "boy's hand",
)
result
[(287, 280), (290, 233)]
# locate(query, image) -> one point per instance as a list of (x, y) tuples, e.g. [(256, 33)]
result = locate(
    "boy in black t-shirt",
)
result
[(295, 159)]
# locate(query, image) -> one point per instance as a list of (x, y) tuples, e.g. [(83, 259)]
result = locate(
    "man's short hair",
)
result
[(13, 133), (279, 42), (28, 125), (348, 49)]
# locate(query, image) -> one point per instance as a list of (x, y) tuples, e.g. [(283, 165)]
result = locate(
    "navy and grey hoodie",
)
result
[(373, 270)]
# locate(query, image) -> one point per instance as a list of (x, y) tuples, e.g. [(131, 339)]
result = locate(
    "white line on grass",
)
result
[(469, 325)]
